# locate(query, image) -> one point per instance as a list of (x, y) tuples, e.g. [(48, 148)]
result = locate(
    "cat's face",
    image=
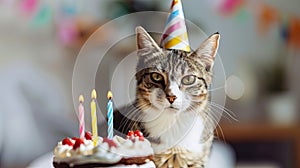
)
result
[(173, 81), (173, 84)]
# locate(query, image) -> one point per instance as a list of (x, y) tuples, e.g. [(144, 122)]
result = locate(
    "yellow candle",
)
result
[(94, 117)]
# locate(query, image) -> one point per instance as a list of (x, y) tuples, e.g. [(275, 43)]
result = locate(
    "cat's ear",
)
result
[(207, 51), (144, 40)]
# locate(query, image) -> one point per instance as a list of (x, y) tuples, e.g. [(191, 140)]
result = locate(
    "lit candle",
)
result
[(94, 117), (81, 117), (110, 116)]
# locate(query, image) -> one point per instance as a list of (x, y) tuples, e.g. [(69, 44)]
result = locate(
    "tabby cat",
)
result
[(171, 106)]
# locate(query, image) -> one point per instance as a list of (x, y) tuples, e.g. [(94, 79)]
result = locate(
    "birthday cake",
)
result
[(133, 152)]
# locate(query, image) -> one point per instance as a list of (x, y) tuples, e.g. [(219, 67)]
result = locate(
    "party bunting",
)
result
[(28, 7), (68, 32), (242, 15), (284, 31), (294, 33), (268, 16), (43, 16), (228, 7)]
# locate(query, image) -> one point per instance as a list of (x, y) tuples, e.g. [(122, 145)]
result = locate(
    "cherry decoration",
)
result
[(78, 143), (88, 135), (67, 141)]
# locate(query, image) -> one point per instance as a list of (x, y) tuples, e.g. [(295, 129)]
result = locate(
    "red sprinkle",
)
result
[(110, 142), (75, 138), (141, 138), (78, 143), (88, 135), (67, 141), (130, 133), (138, 133)]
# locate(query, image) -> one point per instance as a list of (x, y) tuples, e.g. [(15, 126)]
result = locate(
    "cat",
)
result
[(171, 106)]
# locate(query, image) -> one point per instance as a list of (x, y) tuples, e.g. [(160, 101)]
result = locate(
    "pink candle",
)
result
[(81, 117)]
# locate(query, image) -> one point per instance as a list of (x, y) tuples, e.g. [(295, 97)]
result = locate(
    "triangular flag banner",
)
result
[(231, 6), (175, 35), (242, 15), (43, 16), (267, 17), (68, 32), (28, 7), (294, 33), (284, 30)]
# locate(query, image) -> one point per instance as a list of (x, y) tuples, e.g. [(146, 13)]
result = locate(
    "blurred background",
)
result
[(260, 50)]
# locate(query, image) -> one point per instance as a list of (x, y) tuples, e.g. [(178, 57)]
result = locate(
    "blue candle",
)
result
[(110, 116)]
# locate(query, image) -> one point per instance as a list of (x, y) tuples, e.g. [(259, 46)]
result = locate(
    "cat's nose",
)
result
[(171, 98)]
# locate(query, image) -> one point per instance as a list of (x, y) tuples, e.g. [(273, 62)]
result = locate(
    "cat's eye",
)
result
[(188, 80), (156, 77)]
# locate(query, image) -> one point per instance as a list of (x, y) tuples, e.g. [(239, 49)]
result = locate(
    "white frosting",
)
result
[(65, 151), (102, 153), (127, 148), (84, 149), (62, 151)]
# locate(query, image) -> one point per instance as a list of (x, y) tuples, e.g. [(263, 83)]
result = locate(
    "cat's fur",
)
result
[(170, 113)]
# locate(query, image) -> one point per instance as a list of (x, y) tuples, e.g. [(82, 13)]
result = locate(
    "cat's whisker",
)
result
[(124, 123), (218, 126), (217, 110), (132, 113), (225, 110), (229, 117), (210, 122), (213, 121), (137, 108), (228, 110), (217, 88), (212, 118)]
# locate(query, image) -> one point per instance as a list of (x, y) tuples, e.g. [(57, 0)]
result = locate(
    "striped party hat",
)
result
[(175, 34)]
